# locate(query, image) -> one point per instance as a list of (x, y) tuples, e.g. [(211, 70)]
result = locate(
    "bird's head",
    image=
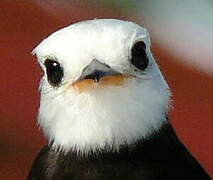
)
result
[(101, 86)]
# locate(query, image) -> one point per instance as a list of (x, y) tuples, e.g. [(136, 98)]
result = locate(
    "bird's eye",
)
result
[(54, 72), (138, 55)]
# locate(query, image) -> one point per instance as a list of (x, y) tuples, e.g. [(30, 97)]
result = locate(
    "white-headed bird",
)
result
[(104, 107)]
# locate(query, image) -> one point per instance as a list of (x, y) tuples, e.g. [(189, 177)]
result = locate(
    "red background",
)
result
[(22, 26)]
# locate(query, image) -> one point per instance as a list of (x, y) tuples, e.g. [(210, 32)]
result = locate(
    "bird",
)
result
[(104, 108)]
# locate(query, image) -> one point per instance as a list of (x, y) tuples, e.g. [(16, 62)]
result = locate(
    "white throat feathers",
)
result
[(101, 86)]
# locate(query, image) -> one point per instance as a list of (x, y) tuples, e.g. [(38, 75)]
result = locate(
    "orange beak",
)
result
[(88, 84), (98, 74)]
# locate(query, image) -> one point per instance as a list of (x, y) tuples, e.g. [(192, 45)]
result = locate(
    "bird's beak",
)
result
[(98, 74)]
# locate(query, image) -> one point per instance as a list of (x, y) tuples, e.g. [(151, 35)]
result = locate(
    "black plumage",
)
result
[(160, 157)]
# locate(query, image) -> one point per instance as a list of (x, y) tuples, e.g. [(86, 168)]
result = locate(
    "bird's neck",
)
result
[(159, 144)]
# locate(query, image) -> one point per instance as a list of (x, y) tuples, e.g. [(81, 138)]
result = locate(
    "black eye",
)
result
[(54, 72), (138, 55)]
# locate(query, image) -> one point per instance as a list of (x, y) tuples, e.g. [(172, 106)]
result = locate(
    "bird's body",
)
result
[(104, 107)]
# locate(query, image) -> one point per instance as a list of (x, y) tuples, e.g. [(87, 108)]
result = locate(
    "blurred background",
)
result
[(182, 42)]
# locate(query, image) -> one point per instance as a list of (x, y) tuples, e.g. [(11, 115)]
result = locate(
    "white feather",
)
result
[(109, 116)]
